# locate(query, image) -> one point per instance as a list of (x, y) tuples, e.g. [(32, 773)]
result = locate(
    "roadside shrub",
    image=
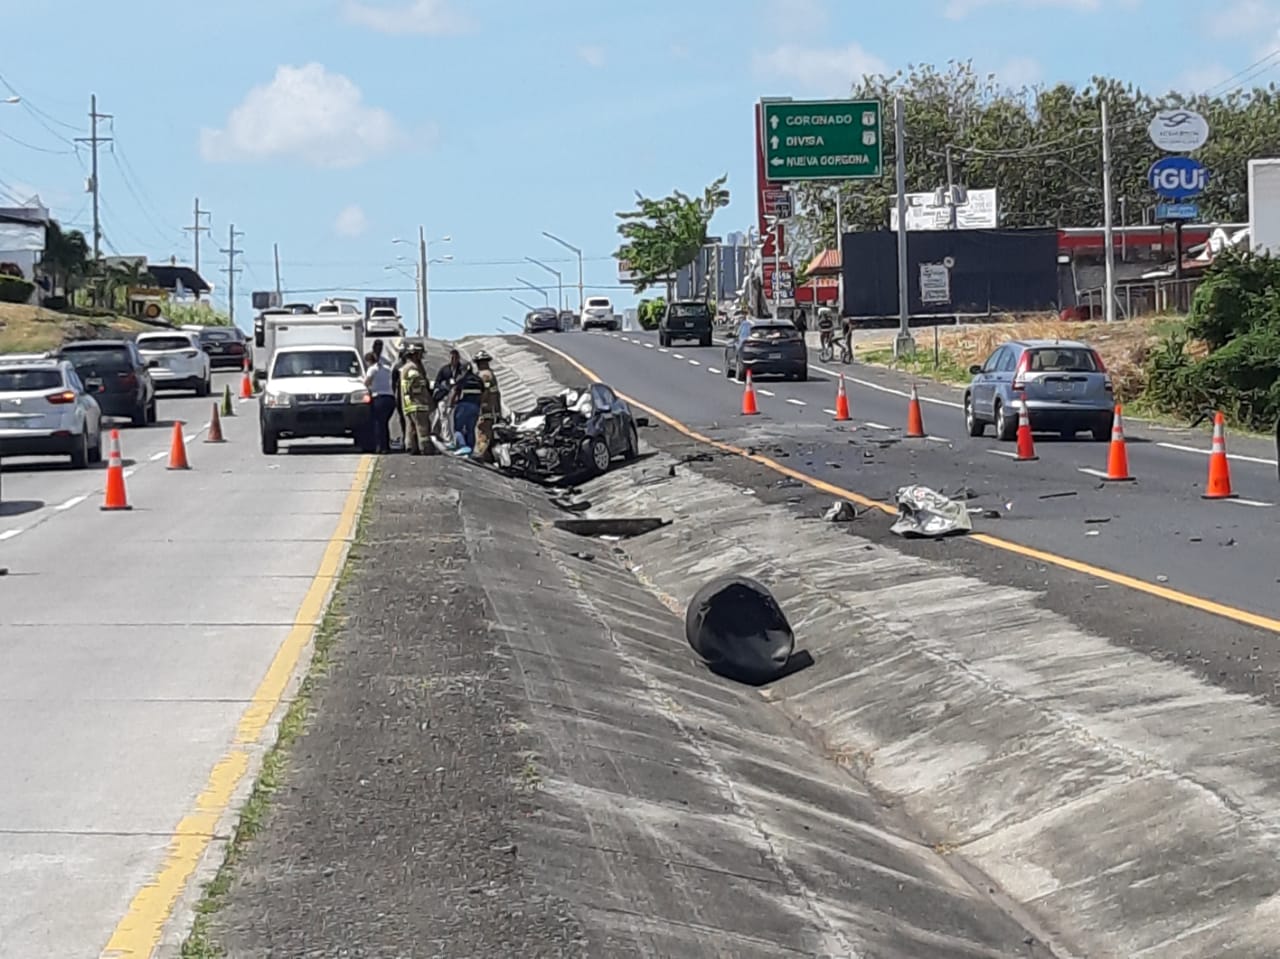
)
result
[(1239, 294), (11, 269), (649, 312), (14, 289), (1239, 379)]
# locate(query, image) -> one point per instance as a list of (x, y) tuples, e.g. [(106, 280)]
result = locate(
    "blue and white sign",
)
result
[(1178, 177), (1177, 211)]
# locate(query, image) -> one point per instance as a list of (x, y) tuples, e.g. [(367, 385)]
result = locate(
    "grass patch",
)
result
[(33, 329), (921, 364), (200, 942)]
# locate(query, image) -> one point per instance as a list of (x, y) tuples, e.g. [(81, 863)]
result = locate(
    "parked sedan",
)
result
[(542, 320), (766, 346), (226, 346), (1064, 384), (45, 411), (177, 362)]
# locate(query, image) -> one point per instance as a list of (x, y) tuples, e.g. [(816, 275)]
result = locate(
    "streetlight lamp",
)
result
[(559, 280), (424, 290), (537, 289), (582, 302), (11, 100)]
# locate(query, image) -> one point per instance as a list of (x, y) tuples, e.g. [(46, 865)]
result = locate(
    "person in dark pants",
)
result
[(378, 379), (468, 388)]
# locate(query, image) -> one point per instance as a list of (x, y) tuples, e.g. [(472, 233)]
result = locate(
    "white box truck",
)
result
[(1264, 206), (309, 329)]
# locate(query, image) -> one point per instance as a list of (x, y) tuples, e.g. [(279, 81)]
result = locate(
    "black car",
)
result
[(115, 374), (226, 346), (766, 346), (541, 320), (685, 320), (581, 434)]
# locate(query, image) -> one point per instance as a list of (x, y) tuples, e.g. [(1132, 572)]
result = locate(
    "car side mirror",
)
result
[(153, 364), (975, 370)]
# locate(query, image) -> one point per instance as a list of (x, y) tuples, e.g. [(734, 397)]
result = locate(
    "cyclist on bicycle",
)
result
[(826, 328)]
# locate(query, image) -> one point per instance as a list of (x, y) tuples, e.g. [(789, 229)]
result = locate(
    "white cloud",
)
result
[(1020, 72), (306, 113), (351, 221), (1243, 18), (433, 18), (804, 14), (820, 70), (593, 56), (959, 9), (1201, 79)]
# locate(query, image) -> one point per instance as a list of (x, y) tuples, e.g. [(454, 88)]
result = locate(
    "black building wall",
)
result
[(1014, 271)]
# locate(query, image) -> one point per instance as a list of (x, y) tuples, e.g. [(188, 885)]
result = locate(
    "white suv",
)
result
[(383, 321), (597, 314), (177, 361), (45, 411)]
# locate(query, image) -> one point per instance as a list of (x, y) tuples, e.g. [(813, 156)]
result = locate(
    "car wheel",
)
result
[(95, 451), (139, 416), (632, 451), (974, 425), (206, 387), (1101, 434), (151, 410), (728, 369), (1006, 426), (80, 455), (598, 456), (705, 341), (270, 442), (803, 375)]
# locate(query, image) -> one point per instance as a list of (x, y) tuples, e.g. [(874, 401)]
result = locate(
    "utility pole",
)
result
[(1109, 310), (93, 140), (231, 270), (195, 230), (951, 191), (904, 345), (424, 321), (275, 252)]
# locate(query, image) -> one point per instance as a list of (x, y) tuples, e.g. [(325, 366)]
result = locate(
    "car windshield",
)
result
[(158, 344), (108, 358), (219, 335), (23, 381), (1063, 360), (595, 303), (318, 363), (774, 332), (689, 309)]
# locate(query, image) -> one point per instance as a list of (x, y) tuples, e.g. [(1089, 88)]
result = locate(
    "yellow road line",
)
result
[(138, 934), (1097, 572)]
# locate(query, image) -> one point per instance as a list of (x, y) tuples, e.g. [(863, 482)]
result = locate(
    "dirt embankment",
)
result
[(32, 329)]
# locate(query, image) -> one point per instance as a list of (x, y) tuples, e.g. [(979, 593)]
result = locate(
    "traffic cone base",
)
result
[(1218, 485), (215, 428), (842, 402), (115, 497), (1026, 446), (1118, 454), (915, 421), (178, 449), (749, 407)]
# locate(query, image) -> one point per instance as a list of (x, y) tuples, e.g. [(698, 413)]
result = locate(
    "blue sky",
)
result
[(333, 126)]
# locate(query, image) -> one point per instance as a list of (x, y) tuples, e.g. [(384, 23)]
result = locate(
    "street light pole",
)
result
[(546, 297), (582, 300), (525, 304), (904, 344), (1109, 311), (559, 280)]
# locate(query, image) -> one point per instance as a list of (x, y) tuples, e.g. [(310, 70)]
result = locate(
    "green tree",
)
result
[(663, 235), (118, 277), (66, 257)]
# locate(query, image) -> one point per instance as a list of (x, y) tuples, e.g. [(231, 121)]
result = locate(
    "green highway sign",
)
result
[(821, 139)]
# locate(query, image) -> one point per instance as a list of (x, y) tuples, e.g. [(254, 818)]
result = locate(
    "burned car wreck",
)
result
[(574, 434)]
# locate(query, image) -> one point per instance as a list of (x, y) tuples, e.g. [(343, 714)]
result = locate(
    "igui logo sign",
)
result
[(1178, 177)]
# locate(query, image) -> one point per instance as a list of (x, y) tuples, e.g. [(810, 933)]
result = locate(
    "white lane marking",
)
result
[(906, 394), (1012, 456), (129, 472), (632, 340), (159, 456), (764, 392), (795, 402), (1231, 456), (694, 363), (712, 369), (829, 412), (663, 349), (1250, 502), (879, 426), (1101, 474), (937, 439), (74, 501), (678, 356), (9, 534), (190, 438), (649, 346)]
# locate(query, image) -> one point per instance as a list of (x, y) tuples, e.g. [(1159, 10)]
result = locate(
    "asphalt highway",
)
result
[(1157, 530), (143, 656)]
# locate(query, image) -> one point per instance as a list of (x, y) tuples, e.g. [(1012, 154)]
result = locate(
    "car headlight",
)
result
[(361, 396), (277, 399)]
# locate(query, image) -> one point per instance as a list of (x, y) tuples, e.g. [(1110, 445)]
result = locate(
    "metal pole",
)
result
[(904, 344), (840, 252), (777, 264), (582, 300), (93, 140), (424, 292), (1108, 235), (951, 191), (275, 253)]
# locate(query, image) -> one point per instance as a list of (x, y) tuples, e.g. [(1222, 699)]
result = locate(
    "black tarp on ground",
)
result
[(1013, 271), (739, 630)]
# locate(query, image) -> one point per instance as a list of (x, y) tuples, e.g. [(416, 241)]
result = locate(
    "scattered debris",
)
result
[(834, 466), (992, 514), (1058, 495), (965, 492), (622, 527), (557, 437), (671, 470), (739, 630), (696, 458), (926, 512), (1162, 578), (589, 557), (570, 506), (787, 483), (841, 511), (1098, 519)]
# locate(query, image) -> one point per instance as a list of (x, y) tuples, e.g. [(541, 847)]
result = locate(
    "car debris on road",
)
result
[(576, 432), (926, 512)]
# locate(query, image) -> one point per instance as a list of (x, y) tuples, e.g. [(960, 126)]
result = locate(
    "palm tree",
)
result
[(66, 257), (121, 276)]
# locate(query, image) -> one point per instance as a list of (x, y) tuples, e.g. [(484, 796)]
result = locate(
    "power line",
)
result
[(437, 289)]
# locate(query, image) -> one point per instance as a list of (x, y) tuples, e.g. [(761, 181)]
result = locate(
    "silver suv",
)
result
[(1063, 382)]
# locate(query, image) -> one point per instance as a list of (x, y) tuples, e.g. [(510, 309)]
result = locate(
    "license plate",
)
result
[(214, 348), (93, 385), (775, 356), (1064, 387)]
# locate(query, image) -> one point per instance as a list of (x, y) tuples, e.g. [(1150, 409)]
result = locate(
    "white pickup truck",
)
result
[(315, 391)]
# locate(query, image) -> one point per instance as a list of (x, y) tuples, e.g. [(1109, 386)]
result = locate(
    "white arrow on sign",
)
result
[(777, 161), (773, 122), (773, 142)]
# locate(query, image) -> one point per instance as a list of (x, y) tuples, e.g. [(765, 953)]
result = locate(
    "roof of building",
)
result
[(825, 263), (168, 276)]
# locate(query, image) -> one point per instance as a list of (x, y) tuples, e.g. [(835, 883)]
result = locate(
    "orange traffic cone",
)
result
[(178, 449), (1219, 485), (915, 421), (1026, 448), (1118, 455), (246, 386), (842, 402), (749, 398), (215, 428), (115, 497)]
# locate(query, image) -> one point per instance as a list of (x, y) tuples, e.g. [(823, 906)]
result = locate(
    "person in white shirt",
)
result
[(379, 382)]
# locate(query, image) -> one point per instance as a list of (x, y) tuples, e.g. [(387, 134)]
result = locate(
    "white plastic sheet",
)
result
[(926, 512)]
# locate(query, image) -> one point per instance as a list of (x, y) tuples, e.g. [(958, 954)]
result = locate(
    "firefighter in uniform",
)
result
[(490, 406), (417, 403)]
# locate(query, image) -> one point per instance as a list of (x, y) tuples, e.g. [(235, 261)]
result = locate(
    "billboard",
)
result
[(924, 212)]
